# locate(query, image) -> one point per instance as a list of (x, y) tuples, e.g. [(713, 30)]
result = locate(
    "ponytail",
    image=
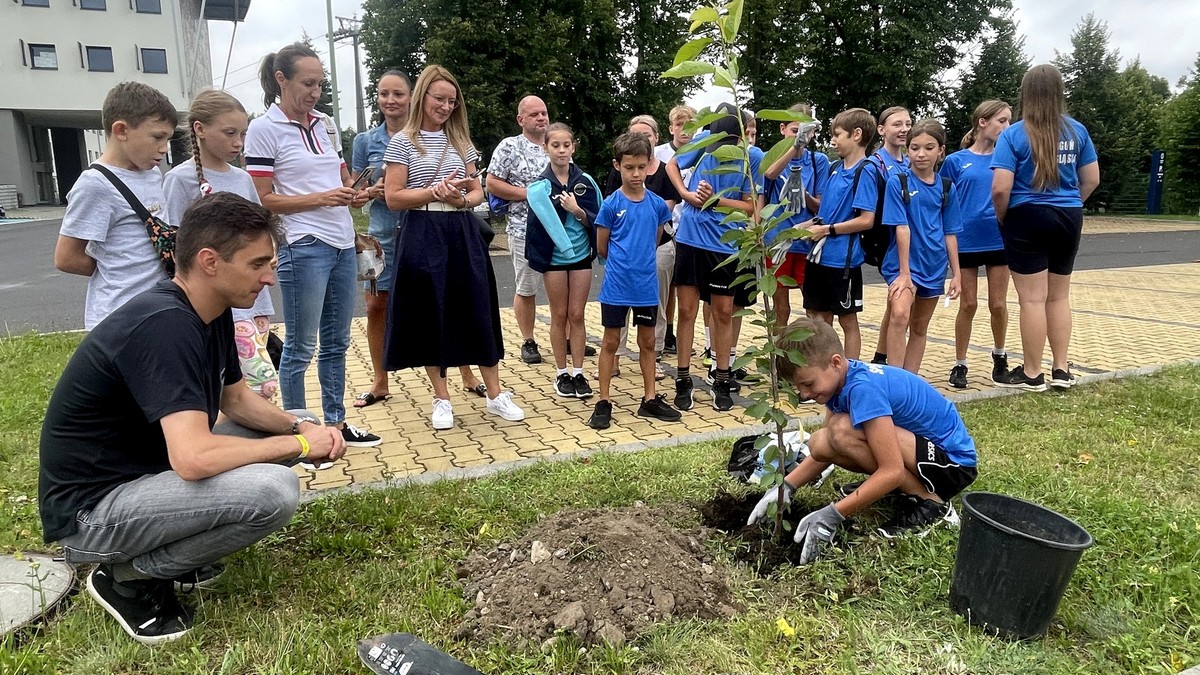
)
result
[(282, 61), (266, 78)]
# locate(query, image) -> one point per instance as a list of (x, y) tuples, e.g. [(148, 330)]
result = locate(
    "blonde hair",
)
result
[(984, 111), (208, 105), (1043, 109), (817, 349), (681, 114), (648, 120), (457, 129)]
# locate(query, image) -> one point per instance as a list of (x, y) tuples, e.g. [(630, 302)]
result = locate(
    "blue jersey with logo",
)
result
[(702, 228), (971, 174), (873, 390), (1014, 153), (891, 165), (813, 170), (631, 277), (839, 205), (928, 224)]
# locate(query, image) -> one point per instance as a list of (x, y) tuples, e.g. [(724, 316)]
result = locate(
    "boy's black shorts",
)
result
[(614, 316), (1038, 237), (825, 290), (940, 474), (699, 267), (982, 259)]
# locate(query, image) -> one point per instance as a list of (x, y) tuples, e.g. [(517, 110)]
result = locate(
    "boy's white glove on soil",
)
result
[(815, 531), (771, 497)]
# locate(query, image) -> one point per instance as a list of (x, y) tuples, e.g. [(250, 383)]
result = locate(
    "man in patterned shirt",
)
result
[(517, 162)]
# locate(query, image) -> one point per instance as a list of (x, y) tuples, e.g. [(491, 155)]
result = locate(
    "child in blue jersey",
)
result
[(1044, 168), (798, 177), (881, 421), (628, 228), (833, 276), (894, 124), (926, 222), (979, 243)]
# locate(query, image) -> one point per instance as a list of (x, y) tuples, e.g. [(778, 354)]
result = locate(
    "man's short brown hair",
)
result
[(816, 349), (224, 222), (134, 103)]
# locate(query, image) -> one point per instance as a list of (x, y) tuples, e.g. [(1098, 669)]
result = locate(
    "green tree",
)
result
[(995, 73), (1180, 137), (654, 32)]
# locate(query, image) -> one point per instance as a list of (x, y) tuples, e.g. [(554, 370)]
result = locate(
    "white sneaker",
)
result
[(503, 406), (443, 414)]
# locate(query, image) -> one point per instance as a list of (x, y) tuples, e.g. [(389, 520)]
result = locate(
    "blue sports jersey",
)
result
[(631, 277), (1014, 153), (928, 224), (972, 177), (873, 390), (838, 205), (813, 168), (891, 165), (702, 228)]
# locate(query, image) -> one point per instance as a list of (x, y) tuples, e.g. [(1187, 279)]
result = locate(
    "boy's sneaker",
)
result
[(582, 388), (740, 376), (443, 414), (722, 395), (588, 350), (711, 379), (658, 409), (504, 406), (706, 357), (879, 359), (670, 344), (1062, 379), (1017, 379), (601, 416), (359, 438), (529, 352), (564, 385), (204, 576), (958, 377), (999, 366), (845, 490), (146, 609), (684, 390), (918, 516)]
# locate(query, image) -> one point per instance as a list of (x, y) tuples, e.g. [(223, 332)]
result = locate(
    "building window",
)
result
[(36, 3), (100, 5), (154, 60), (43, 57), (100, 59), (149, 6)]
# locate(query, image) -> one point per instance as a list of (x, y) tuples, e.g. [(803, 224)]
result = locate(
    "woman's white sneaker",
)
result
[(503, 406), (443, 414)]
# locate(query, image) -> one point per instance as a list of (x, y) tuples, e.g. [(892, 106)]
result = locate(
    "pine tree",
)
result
[(995, 73)]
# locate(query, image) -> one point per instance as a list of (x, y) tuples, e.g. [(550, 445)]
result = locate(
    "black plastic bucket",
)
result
[(1014, 562)]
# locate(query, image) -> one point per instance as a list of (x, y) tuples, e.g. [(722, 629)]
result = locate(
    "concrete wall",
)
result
[(16, 167)]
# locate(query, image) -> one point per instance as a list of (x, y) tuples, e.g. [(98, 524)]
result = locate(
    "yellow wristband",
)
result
[(304, 448)]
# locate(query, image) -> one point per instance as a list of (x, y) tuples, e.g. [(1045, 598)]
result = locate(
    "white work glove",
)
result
[(771, 497), (816, 531)]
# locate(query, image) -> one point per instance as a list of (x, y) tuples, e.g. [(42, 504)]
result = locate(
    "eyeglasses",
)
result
[(442, 100)]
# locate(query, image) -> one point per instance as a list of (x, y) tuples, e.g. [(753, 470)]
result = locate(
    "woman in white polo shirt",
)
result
[(294, 157), (444, 310)]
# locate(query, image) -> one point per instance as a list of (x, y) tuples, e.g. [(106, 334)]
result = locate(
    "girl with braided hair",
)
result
[(217, 125)]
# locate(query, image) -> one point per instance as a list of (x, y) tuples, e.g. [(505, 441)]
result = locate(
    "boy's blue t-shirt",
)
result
[(971, 174), (838, 205), (873, 390), (1075, 149), (702, 228), (631, 276), (928, 224), (813, 169)]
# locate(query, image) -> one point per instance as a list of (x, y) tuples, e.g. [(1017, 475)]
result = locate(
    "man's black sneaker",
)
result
[(684, 399), (564, 385), (1017, 379), (958, 377), (201, 577), (529, 352), (601, 416), (847, 489), (582, 388), (711, 379), (588, 350), (1062, 379), (658, 409), (879, 358), (999, 366), (359, 438), (670, 344), (740, 376), (918, 516), (722, 395), (146, 609)]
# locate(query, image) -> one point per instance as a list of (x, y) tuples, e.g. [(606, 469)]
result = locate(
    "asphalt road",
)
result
[(36, 297)]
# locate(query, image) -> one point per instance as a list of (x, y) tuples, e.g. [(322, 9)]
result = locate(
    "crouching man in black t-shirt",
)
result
[(132, 476)]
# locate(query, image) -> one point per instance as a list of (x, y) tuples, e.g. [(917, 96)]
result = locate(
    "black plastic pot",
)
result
[(1014, 562)]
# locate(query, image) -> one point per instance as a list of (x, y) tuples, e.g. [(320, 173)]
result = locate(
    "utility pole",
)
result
[(337, 118), (350, 29)]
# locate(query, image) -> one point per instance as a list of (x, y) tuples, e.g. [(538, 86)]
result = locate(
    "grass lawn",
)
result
[(1120, 457)]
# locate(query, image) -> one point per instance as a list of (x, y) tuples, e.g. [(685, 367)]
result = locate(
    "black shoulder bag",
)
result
[(162, 234)]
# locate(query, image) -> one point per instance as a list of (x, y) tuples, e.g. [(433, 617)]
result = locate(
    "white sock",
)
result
[(708, 338), (960, 362), (999, 352), (578, 371), (563, 371)]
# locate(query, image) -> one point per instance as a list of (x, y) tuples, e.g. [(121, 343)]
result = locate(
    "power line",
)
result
[(254, 64)]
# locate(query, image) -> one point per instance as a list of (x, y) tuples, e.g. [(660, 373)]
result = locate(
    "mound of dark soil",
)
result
[(597, 574), (756, 545)]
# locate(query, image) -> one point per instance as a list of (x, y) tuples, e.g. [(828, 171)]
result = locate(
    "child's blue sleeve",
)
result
[(866, 199), (662, 214), (358, 153), (821, 180), (1087, 149), (867, 401), (952, 214), (1004, 156), (950, 168), (689, 159), (894, 213), (756, 158), (604, 214)]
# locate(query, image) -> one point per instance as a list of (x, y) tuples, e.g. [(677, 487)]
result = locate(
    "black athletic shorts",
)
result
[(1038, 237), (702, 269), (982, 259), (614, 316), (825, 289), (941, 475), (584, 264)]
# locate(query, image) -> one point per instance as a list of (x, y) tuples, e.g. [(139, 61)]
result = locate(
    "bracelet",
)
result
[(304, 447), (832, 231)]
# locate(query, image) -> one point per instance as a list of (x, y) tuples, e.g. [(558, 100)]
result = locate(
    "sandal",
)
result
[(479, 390), (368, 398)]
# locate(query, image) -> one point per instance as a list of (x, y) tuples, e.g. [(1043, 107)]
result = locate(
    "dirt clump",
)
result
[(600, 575), (756, 545)]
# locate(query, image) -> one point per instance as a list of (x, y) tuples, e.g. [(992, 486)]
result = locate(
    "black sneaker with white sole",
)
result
[(684, 393), (146, 609), (722, 395), (529, 352), (582, 388), (711, 378), (1062, 379), (658, 408), (204, 576), (564, 386), (999, 366), (1017, 379), (742, 376), (918, 516), (601, 416), (359, 438), (958, 377), (847, 489)]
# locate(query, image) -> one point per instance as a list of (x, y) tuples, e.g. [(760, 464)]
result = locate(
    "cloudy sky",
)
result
[(1164, 34)]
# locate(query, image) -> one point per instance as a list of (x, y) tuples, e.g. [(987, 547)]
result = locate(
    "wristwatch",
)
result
[(832, 230), (300, 420)]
